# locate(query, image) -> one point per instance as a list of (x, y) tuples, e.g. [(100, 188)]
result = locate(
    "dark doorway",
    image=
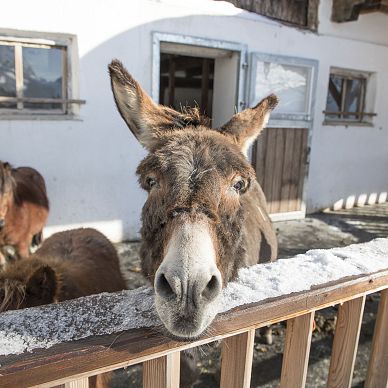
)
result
[(187, 81)]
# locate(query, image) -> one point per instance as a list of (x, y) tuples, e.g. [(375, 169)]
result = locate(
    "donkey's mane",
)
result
[(190, 117)]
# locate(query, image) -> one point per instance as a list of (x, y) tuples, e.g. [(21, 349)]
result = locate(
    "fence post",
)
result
[(377, 375), (237, 356), (296, 351), (80, 383), (162, 372), (345, 343)]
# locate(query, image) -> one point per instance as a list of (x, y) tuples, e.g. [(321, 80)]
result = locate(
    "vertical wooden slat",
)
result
[(237, 356), (205, 87), (302, 167), (162, 372), (80, 383), (296, 351), (377, 376), (287, 171), (294, 179), (171, 81), (269, 166), (345, 343), (277, 170)]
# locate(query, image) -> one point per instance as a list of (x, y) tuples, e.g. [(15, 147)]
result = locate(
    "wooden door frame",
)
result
[(159, 37), (291, 120)]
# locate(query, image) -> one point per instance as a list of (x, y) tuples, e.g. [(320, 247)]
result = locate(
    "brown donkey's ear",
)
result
[(41, 286), (244, 127), (147, 120)]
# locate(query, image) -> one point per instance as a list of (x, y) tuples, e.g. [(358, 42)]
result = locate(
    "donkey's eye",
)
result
[(151, 182), (239, 185)]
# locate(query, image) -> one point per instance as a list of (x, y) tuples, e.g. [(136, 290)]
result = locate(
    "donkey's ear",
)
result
[(244, 127), (145, 119), (41, 286)]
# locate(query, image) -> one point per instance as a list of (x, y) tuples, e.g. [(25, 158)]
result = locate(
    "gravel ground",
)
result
[(323, 230)]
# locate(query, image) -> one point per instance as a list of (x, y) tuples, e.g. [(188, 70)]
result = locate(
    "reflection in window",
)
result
[(289, 82), (32, 78), (7, 76), (345, 98)]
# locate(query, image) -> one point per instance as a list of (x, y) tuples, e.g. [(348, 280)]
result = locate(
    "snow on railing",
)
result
[(42, 344)]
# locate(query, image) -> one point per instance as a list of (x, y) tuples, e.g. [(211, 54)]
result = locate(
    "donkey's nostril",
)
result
[(163, 287), (212, 289), (2, 223)]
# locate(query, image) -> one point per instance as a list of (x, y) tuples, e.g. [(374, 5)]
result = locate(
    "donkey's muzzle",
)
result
[(204, 289)]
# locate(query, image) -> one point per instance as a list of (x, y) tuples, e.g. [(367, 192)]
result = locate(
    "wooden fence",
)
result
[(73, 363)]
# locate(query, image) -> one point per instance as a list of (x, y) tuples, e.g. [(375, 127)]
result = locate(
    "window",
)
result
[(289, 78), (346, 97), (37, 76)]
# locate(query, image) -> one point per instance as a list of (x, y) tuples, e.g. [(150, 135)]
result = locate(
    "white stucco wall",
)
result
[(89, 164)]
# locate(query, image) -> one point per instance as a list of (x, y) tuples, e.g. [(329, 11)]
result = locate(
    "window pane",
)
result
[(334, 96), (288, 82), (42, 71), (353, 97), (7, 75)]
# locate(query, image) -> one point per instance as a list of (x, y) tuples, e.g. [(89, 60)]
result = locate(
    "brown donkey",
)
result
[(24, 208), (205, 216), (68, 265)]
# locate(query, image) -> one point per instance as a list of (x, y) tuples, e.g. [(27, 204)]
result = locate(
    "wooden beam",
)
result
[(162, 372), (349, 10), (296, 351), (94, 355), (237, 357), (345, 343), (377, 376)]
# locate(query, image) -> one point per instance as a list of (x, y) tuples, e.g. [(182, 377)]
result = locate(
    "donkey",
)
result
[(205, 215), (24, 208), (68, 265)]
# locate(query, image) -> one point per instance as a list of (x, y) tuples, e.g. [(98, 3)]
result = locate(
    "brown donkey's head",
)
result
[(191, 222)]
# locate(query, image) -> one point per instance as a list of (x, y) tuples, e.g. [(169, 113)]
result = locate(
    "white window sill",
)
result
[(39, 117), (347, 124)]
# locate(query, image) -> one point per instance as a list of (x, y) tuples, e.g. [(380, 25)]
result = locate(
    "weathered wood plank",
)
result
[(269, 166), (260, 155), (104, 353), (237, 357), (345, 343), (287, 170), (302, 167), (377, 376), (80, 383), (277, 170), (295, 169), (162, 372), (296, 351)]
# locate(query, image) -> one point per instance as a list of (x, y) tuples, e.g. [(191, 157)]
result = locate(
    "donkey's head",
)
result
[(196, 178), (27, 283), (6, 189)]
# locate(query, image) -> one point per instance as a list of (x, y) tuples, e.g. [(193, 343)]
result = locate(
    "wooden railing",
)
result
[(72, 363)]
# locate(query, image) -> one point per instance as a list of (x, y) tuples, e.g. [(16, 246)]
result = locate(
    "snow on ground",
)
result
[(45, 326)]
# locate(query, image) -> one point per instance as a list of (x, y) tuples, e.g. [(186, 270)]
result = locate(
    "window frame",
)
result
[(365, 117), (70, 91), (291, 119)]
